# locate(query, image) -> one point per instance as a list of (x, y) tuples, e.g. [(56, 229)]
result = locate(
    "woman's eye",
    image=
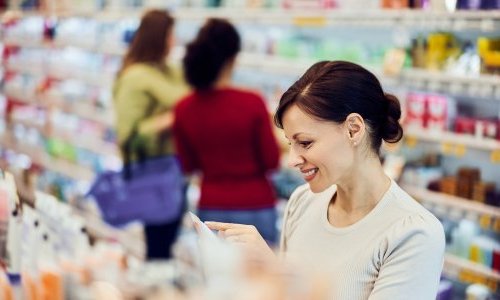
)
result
[(305, 144)]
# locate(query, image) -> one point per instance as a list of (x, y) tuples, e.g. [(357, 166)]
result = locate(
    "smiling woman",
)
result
[(350, 222)]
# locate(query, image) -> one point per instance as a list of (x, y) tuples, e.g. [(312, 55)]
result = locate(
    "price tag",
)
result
[(447, 148), (411, 141), (485, 222), (460, 150), (495, 156), (317, 21), (496, 225), (465, 276)]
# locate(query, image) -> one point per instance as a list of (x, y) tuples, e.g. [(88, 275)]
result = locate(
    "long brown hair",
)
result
[(149, 43)]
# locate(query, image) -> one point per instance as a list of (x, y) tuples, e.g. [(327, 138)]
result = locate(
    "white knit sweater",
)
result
[(395, 252)]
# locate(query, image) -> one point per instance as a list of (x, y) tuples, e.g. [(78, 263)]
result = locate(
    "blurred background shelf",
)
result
[(467, 205), (458, 20), (445, 137), (453, 263), (63, 167)]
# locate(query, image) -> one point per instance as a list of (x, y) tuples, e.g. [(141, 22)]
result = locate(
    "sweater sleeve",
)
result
[(185, 151), (411, 260), (268, 153)]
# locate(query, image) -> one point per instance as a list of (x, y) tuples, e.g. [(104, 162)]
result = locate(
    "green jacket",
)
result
[(142, 91)]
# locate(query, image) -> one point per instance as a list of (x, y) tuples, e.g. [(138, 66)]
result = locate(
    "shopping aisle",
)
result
[(58, 68)]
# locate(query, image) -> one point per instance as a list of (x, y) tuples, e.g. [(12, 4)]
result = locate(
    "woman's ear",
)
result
[(355, 126)]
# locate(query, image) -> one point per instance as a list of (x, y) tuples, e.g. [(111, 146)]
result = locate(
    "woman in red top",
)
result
[(225, 133)]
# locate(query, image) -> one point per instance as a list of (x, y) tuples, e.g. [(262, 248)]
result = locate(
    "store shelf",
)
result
[(90, 143), (38, 157), (445, 138), (453, 262), (79, 109), (97, 79), (460, 20), (465, 205), (419, 19), (481, 86), (82, 110), (49, 45), (484, 86), (272, 64)]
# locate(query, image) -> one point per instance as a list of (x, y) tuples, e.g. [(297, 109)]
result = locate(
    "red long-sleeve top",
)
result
[(226, 134)]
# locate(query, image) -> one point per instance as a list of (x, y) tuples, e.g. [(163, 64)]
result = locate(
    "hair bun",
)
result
[(392, 132)]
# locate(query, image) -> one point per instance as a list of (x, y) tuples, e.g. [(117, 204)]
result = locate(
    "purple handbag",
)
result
[(151, 191)]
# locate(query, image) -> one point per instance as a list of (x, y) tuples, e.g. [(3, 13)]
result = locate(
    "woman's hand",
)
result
[(158, 123), (244, 235)]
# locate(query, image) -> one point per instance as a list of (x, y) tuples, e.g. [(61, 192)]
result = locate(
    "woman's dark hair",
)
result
[(149, 43), (217, 42), (331, 90)]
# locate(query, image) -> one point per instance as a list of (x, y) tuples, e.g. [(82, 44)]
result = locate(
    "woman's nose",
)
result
[(294, 160)]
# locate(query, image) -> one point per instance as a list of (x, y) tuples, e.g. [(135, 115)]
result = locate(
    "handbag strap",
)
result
[(129, 147)]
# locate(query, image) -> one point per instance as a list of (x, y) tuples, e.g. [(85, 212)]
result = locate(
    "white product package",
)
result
[(218, 257)]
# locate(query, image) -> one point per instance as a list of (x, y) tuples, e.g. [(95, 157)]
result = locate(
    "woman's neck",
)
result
[(359, 194), (225, 76)]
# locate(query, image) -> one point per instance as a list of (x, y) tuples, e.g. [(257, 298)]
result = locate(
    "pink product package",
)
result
[(431, 111), (416, 111), (437, 112)]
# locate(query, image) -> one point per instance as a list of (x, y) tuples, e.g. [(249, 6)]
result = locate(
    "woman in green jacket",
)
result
[(145, 91)]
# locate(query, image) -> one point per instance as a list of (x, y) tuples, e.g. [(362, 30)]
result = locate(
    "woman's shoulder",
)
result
[(408, 206), (413, 218), (139, 70)]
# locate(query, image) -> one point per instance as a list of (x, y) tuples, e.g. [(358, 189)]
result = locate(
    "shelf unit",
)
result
[(14, 42), (80, 109), (470, 272), (486, 86), (85, 142), (422, 19), (488, 217), (442, 199), (90, 78), (449, 139), (61, 166)]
